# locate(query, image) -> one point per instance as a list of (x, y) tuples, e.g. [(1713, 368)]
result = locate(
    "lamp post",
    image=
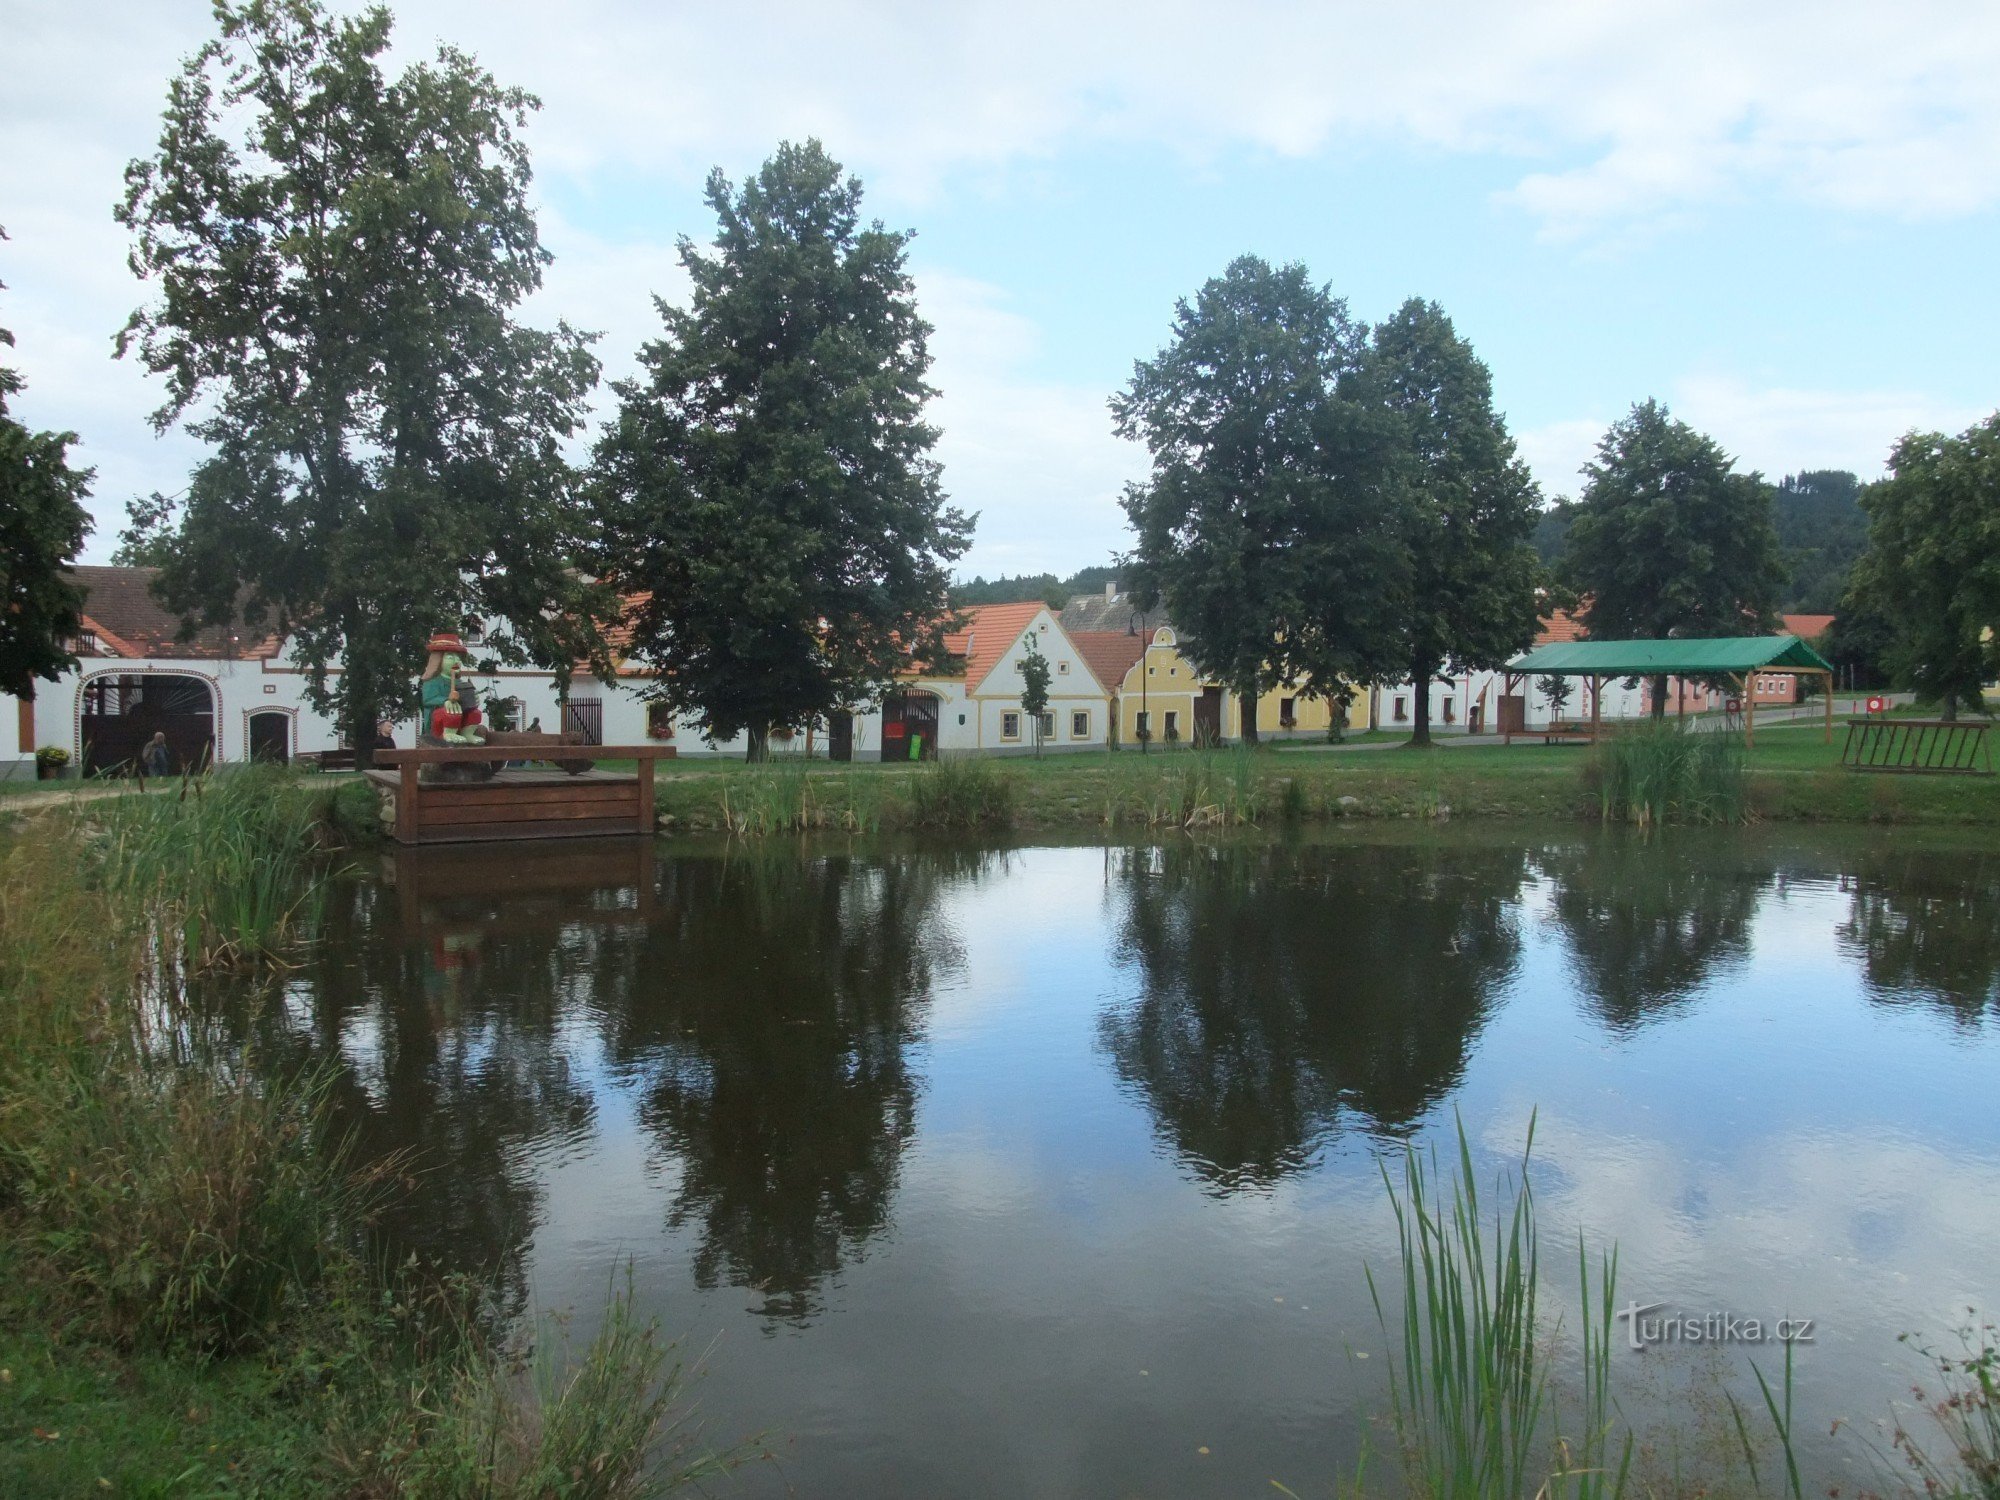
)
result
[(1145, 670)]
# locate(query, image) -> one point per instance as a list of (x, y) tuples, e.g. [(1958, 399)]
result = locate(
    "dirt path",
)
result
[(28, 802)]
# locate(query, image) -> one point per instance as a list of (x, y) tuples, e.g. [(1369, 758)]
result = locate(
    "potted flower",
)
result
[(49, 762)]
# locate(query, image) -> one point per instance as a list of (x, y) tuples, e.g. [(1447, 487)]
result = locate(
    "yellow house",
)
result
[(1163, 693)]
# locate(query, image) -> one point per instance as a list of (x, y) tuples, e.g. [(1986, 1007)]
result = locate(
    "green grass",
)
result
[(190, 1300), (1667, 773), (1788, 776)]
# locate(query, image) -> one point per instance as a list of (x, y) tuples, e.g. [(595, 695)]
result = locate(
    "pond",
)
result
[(1052, 1171)]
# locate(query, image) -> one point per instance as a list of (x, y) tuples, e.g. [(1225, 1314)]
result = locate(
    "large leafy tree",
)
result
[(1669, 540), (338, 256), (1265, 526), (1469, 506), (1932, 568), (768, 489), (42, 527)]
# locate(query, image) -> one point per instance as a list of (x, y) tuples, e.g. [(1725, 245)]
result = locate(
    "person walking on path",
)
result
[(156, 759)]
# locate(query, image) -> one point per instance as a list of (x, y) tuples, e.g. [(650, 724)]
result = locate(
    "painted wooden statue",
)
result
[(449, 715)]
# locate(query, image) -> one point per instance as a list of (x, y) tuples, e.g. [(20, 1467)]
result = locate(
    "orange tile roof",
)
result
[(1559, 625), (1806, 627), (989, 629), (1109, 654)]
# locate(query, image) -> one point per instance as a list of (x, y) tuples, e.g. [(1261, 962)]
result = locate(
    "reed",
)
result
[(1470, 1369), (959, 792), (1661, 772), (1961, 1399)]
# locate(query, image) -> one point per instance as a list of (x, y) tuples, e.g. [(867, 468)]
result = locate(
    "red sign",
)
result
[(1878, 705)]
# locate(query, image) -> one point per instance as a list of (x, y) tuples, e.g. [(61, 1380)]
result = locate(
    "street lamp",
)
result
[(1138, 619)]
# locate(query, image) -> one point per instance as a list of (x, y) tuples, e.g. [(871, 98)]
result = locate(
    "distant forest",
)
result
[(1047, 587), (1821, 530)]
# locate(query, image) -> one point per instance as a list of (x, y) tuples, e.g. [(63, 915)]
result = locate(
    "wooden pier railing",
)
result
[(535, 802)]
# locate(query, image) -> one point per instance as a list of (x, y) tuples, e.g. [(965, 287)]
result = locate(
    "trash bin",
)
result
[(916, 747)]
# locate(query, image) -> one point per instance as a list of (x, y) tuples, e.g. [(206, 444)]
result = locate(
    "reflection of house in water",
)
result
[(1287, 988)]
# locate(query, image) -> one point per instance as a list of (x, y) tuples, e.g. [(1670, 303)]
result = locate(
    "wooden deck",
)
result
[(537, 802)]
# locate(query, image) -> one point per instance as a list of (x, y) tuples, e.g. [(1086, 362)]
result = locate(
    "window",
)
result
[(1010, 725), (1062, 669), (1079, 724), (1402, 710), (1173, 725), (1288, 712), (1152, 671), (1046, 726), (1145, 728), (659, 722), (1447, 711)]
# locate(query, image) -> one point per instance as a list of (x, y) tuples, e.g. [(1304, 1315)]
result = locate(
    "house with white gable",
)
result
[(971, 701)]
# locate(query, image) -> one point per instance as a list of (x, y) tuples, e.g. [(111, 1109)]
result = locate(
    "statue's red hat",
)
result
[(445, 640)]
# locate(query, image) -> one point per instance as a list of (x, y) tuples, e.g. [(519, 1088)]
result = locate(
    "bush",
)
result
[(960, 792)]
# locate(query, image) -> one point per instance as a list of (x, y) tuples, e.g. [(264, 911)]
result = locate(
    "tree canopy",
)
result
[(1932, 568), (1669, 540), (42, 527), (1265, 525), (337, 257), (1467, 506), (769, 484)]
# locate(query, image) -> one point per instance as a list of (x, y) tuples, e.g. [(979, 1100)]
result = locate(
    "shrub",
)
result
[(960, 792), (1660, 772)]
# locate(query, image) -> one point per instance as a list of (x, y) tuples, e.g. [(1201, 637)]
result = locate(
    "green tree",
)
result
[(1558, 690), (1468, 510), (1035, 689), (1669, 540), (42, 527), (336, 289), (1932, 568), (1263, 526), (769, 482)]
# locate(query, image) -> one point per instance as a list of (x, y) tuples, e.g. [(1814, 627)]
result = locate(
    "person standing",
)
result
[(156, 759)]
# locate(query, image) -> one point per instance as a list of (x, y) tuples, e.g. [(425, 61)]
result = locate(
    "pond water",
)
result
[(997, 1171)]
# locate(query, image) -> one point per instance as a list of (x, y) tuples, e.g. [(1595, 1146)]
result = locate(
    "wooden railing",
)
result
[(1918, 747), (548, 804)]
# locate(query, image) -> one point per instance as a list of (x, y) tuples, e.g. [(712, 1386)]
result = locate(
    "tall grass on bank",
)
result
[(1961, 1398), (163, 1197), (230, 865), (960, 792), (1474, 1414), (1661, 772)]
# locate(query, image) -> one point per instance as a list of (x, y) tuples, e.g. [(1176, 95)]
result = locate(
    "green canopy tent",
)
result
[(1733, 657)]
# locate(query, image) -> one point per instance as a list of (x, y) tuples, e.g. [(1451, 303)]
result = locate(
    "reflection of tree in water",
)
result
[(442, 1045), (1282, 985), (769, 1017), (1926, 926), (1650, 921)]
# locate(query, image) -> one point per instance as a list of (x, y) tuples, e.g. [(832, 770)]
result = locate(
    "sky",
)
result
[(1780, 219)]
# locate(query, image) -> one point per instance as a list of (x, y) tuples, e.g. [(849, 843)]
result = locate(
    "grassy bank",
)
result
[(192, 1298), (1789, 776)]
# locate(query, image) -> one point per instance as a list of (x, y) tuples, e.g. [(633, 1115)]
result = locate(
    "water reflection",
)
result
[(769, 1013), (1649, 922), (1282, 986), (1928, 933)]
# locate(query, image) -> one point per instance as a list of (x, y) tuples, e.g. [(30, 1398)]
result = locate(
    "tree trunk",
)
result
[(1421, 673), (1949, 709), (1659, 697), (758, 743), (1249, 702), (361, 721)]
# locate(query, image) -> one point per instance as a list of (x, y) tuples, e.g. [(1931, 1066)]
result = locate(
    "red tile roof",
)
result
[(119, 608), (1559, 625), (1110, 654), (1806, 627), (988, 630)]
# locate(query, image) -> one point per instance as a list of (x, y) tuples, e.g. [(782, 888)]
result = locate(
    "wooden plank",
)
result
[(436, 814), (502, 794), (494, 832), (646, 820), (406, 804), (438, 755)]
